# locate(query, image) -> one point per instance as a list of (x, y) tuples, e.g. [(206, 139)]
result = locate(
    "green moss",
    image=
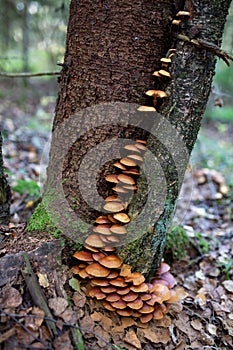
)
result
[(202, 243), (177, 242), (41, 221)]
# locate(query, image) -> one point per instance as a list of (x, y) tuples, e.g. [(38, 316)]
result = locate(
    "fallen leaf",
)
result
[(58, 305), (74, 283), (87, 326), (33, 323), (132, 339), (200, 299), (228, 285), (212, 329), (196, 324), (69, 316), (157, 335), (79, 299), (102, 336), (63, 342), (182, 294), (10, 297)]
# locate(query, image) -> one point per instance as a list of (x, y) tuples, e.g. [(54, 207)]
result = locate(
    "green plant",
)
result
[(202, 243), (27, 186), (226, 267)]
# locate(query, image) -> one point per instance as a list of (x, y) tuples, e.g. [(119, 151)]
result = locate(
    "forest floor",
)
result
[(201, 262)]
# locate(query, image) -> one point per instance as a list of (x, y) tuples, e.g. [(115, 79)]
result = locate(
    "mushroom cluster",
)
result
[(123, 291)]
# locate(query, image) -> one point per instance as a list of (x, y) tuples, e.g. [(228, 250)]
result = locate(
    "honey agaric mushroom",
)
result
[(136, 304), (156, 93), (163, 268), (111, 261), (114, 207), (136, 157), (176, 22), (146, 296), (83, 274), (153, 299), (130, 187), (122, 217), (102, 220), (104, 229), (162, 292), (75, 269), (111, 218), (95, 241), (146, 309), (131, 148), (136, 314), (108, 249), (125, 312), (95, 292), (118, 282), (146, 109), (101, 282), (126, 179), (119, 189), (146, 318), (111, 178), (183, 14), (125, 270), (113, 297), (164, 73), (123, 291), (118, 229), (108, 306), (168, 277), (136, 278), (160, 281), (98, 256), (131, 296), (113, 198), (97, 270), (128, 162), (119, 166), (113, 239), (142, 288), (141, 146), (113, 274), (173, 297), (131, 172), (144, 142), (166, 60), (108, 289), (83, 256), (119, 304), (157, 314)]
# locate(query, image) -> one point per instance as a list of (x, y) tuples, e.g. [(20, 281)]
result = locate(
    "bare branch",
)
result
[(27, 75)]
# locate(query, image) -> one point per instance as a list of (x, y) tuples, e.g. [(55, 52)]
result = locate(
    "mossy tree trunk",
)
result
[(5, 194), (112, 50)]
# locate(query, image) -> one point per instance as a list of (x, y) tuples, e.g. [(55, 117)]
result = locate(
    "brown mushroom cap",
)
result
[(132, 148), (119, 189), (126, 179), (157, 93), (108, 249), (112, 297), (166, 60), (75, 269), (104, 229), (95, 241), (118, 282), (83, 256), (144, 142), (146, 309), (183, 14), (136, 304), (146, 109), (97, 256), (164, 73), (108, 306), (122, 217), (145, 296), (141, 146), (162, 292), (157, 314), (83, 274), (131, 172), (113, 239), (119, 166), (95, 292), (114, 207), (131, 296), (101, 282), (136, 277), (142, 288), (97, 270), (160, 281), (118, 229), (120, 304), (102, 220), (167, 276), (113, 274), (128, 162), (152, 300), (136, 157), (111, 261), (123, 291), (146, 318), (91, 249), (111, 218), (108, 289), (130, 187), (162, 268), (173, 297), (114, 198), (125, 312), (111, 178), (176, 22)]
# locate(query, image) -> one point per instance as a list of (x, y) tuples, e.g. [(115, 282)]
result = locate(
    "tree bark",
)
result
[(112, 50), (5, 193)]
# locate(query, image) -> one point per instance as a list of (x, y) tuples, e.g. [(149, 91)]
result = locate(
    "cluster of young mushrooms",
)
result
[(121, 290)]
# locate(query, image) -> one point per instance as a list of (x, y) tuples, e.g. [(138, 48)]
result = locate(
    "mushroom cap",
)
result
[(146, 318), (114, 198), (128, 162), (111, 178), (97, 256), (146, 309), (131, 172), (126, 179), (97, 270), (130, 187), (141, 146), (83, 274), (132, 148), (125, 270), (118, 229), (160, 281), (162, 292), (176, 22), (142, 288), (95, 292), (108, 289), (111, 261), (162, 268), (136, 304), (104, 229), (101, 282), (131, 296), (75, 269), (113, 239), (136, 157), (119, 166), (114, 207), (83, 256), (102, 220), (136, 277), (165, 60), (146, 109), (123, 291), (112, 297), (173, 297), (183, 14), (122, 217), (111, 218), (144, 142), (168, 277), (119, 189), (113, 274), (157, 314), (146, 296), (118, 282), (125, 312), (91, 249), (108, 306), (164, 73), (95, 241), (156, 93), (152, 300), (108, 249), (119, 304)]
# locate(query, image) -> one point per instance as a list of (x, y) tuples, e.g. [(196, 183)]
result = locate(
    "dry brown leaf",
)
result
[(228, 285), (23, 336), (87, 326), (10, 297), (212, 329), (63, 342), (182, 293), (157, 335), (196, 324), (69, 316), (164, 322), (200, 299), (132, 339), (58, 305), (102, 336), (33, 323), (79, 299), (127, 322), (43, 280), (96, 316)]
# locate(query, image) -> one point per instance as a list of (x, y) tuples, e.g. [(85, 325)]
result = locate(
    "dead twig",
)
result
[(27, 75)]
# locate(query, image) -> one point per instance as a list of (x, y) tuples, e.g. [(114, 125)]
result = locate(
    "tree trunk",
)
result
[(112, 50), (5, 193)]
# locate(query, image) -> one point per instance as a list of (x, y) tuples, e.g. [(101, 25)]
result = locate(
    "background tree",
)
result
[(4, 191), (112, 50)]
